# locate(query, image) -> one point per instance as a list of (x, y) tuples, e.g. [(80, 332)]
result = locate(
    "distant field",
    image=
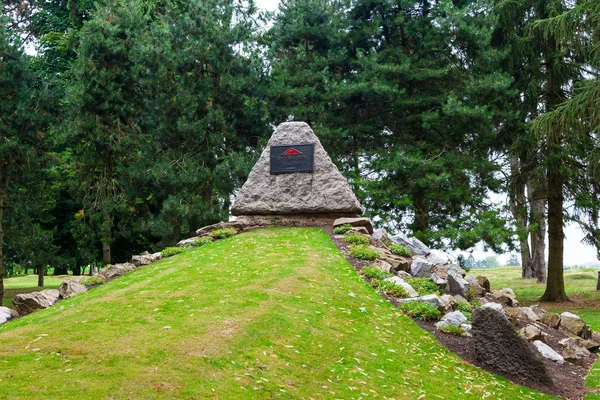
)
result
[(27, 284), (580, 285), (274, 313)]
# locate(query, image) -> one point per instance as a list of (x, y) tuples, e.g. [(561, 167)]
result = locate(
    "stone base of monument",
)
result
[(264, 221)]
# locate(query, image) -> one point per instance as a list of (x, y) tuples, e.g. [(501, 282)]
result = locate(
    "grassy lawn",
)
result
[(580, 286), (275, 313), (27, 284)]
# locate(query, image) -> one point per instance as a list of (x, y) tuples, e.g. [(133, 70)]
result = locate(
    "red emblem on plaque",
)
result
[(291, 152)]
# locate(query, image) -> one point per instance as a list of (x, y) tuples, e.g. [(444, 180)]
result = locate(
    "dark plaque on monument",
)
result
[(286, 159)]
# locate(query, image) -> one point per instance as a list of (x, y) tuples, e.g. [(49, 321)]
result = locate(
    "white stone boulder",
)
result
[(547, 352), (69, 288), (454, 318), (26, 303), (421, 268)]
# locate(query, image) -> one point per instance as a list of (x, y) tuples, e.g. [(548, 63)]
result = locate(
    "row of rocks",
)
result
[(26, 303), (507, 338)]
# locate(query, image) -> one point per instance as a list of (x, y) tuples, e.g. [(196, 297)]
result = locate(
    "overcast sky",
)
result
[(575, 251)]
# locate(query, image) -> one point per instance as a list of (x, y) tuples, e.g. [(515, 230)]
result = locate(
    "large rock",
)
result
[(551, 319), (355, 222), (143, 259), (382, 265), (455, 318), (381, 235), (432, 299), (116, 270), (575, 325), (5, 314), (499, 347), (457, 285), (398, 263), (324, 191), (69, 288), (531, 333), (421, 268), (26, 303), (530, 314), (205, 231), (484, 283), (547, 352), (410, 291), (504, 296), (438, 257), (413, 244)]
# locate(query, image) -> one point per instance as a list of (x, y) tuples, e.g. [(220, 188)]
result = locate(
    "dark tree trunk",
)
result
[(1, 248), (421, 221), (106, 237), (538, 236), (555, 286), (40, 276), (106, 253), (518, 206)]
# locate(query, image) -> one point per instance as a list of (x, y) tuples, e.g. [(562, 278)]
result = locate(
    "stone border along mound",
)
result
[(533, 347), (26, 303), (544, 343)]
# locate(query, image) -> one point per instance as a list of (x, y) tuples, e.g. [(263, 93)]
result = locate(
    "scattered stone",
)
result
[(484, 283), (574, 324), (530, 314), (156, 256), (449, 303), (468, 329), (499, 347), (504, 296), (26, 303), (531, 333), (355, 222), (142, 259), (478, 290), (404, 275), (361, 229), (432, 299), (398, 263), (421, 268), (442, 270), (5, 314), (381, 235), (539, 311), (457, 284), (551, 319), (185, 242), (69, 288), (382, 265), (438, 257), (575, 354), (454, 318), (514, 314), (438, 280), (591, 345), (413, 244), (206, 231), (324, 191), (547, 352), (410, 291), (116, 270), (460, 299)]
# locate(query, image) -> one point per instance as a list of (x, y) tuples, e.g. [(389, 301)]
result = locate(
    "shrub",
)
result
[(171, 251), (400, 250), (223, 233), (202, 241), (363, 252), (389, 288), (356, 238), (373, 272), (424, 286), (92, 281), (422, 311), (466, 309), (340, 230), (452, 330)]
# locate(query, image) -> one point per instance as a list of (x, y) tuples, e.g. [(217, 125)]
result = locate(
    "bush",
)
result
[(340, 230), (422, 311), (223, 233), (466, 309), (202, 241), (171, 251), (373, 272), (424, 286), (400, 250), (389, 288), (356, 238), (92, 281), (363, 252), (452, 330)]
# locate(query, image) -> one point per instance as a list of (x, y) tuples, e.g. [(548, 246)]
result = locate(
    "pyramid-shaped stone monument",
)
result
[(295, 178)]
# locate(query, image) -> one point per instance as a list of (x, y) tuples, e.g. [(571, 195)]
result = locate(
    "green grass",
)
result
[(275, 313), (27, 284), (580, 286)]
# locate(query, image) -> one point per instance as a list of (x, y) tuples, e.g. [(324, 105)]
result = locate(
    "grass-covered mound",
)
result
[(273, 313)]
